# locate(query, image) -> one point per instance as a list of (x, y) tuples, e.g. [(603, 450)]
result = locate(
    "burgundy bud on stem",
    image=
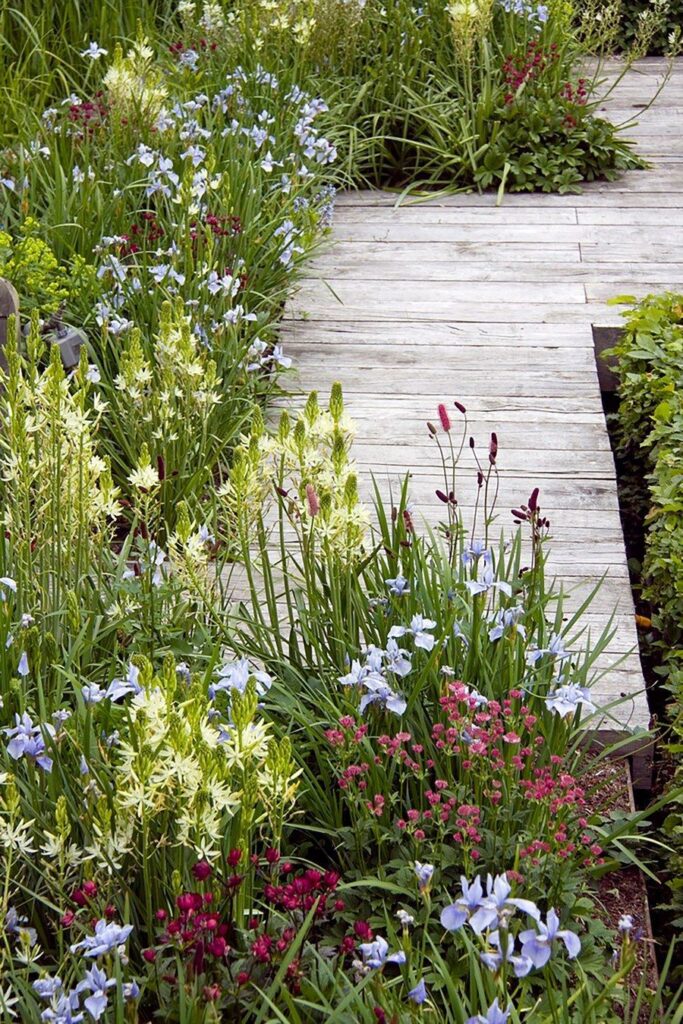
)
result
[(460, 407), (533, 500), (443, 416), (282, 492), (312, 500), (480, 478), (471, 443), (442, 497), (161, 467), (493, 449)]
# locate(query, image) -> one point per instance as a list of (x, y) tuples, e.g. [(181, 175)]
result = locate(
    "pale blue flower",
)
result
[(65, 1010), (459, 635), (498, 904), (505, 621), (419, 993), (537, 945), (376, 954), (494, 1015), (555, 649), (494, 957), (96, 982), (108, 937), (566, 699), (455, 916), (131, 990), (423, 873), (418, 629), (119, 688), (7, 583), (197, 154), (399, 586), (26, 740), (476, 550), (381, 693), (46, 988), (487, 581), (355, 676), (234, 675), (189, 59), (23, 667), (626, 924), (92, 693), (397, 659), (94, 51)]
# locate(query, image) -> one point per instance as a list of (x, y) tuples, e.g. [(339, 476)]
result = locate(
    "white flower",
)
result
[(94, 51), (144, 478)]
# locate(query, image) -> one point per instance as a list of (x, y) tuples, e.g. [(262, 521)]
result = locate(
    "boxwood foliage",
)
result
[(650, 369)]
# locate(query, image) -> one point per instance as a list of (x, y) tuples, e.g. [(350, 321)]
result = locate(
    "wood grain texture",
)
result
[(417, 300)]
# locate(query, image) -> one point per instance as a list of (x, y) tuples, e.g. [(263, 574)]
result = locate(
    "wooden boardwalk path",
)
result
[(456, 298)]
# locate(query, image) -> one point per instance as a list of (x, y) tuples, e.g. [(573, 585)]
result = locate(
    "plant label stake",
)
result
[(70, 341)]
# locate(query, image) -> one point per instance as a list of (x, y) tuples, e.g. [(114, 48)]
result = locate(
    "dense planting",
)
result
[(268, 753)]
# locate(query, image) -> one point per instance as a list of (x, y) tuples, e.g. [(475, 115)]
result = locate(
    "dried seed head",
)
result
[(432, 429)]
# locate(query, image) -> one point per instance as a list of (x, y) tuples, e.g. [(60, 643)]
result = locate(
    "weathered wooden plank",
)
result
[(464, 200), (418, 234), (378, 267), (372, 355), (501, 334), (644, 252), (326, 290), (619, 215), (464, 250), (454, 312), (602, 292), (430, 383), (499, 215)]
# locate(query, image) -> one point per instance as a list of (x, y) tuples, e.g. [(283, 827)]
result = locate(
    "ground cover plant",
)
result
[(267, 751)]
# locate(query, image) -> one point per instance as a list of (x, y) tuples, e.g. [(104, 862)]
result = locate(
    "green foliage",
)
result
[(552, 145), (650, 368), (629, 25)]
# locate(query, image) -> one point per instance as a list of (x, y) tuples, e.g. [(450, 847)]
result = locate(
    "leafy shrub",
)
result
[(650, 368)]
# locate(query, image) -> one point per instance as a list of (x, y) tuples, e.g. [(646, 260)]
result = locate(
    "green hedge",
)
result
[(631, 9), (650, 369)]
